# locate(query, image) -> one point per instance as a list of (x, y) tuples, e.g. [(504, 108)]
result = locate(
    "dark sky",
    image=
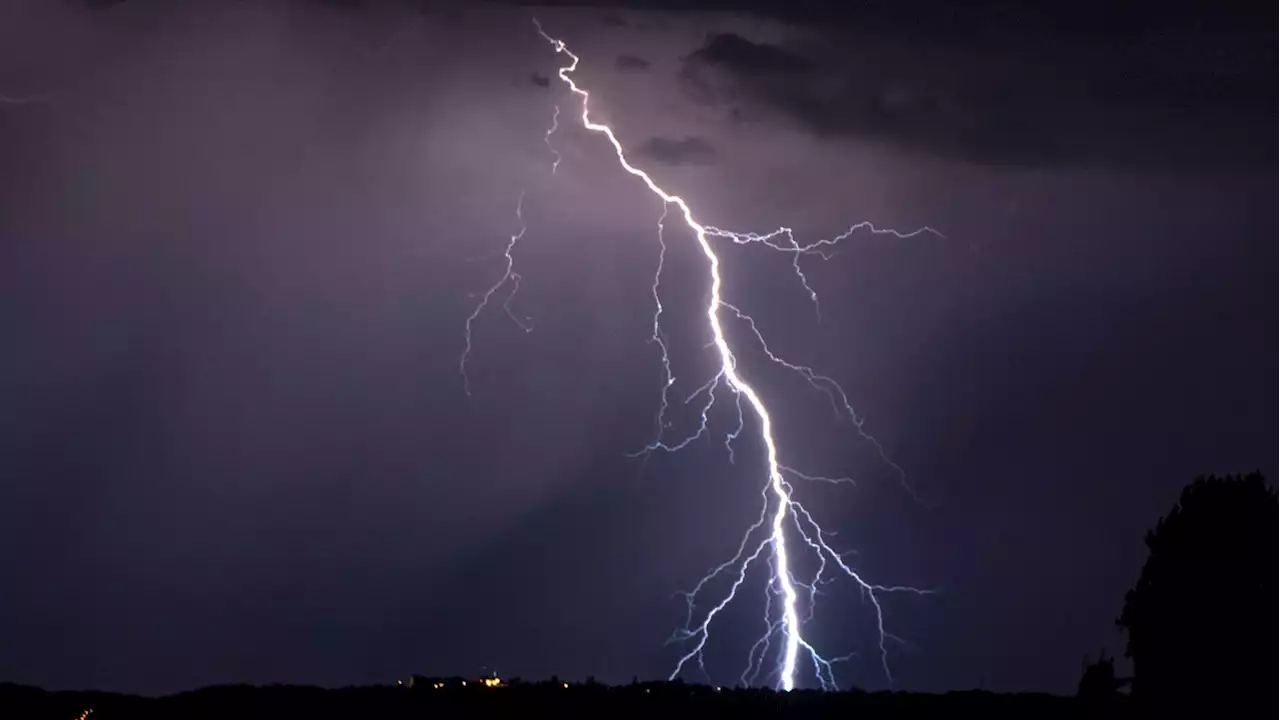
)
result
[(239, 242)]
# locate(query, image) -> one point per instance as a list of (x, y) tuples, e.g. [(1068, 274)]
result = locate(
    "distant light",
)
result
[(464, 683), (566, 686), (718, 689)]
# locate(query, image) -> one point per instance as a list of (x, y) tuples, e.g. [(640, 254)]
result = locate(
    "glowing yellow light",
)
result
[(566, 686)]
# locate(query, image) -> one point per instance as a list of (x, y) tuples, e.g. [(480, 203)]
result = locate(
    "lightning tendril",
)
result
[(509, 277), (23, 99), (546, 138)]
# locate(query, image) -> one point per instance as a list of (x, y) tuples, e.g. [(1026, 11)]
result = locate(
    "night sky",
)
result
[(239, 243)]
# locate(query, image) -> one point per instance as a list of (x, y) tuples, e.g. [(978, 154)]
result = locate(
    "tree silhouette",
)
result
[(1099, 686), (1200, 619)]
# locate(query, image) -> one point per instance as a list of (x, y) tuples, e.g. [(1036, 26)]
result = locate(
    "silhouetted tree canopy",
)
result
[(1201, 619), (1099, 685)]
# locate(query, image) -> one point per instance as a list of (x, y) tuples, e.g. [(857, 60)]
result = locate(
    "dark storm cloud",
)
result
[(746, 58), (1110, 104), (943, 18), (1134, 84), (632, 63), (540, 80), (684, 151), (343, 4)]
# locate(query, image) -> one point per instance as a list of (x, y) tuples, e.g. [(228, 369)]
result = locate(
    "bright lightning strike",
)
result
[(784, 591)]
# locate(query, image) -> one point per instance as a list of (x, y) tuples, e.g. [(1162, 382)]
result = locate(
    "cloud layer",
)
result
[(682, 151), (1060, 104)]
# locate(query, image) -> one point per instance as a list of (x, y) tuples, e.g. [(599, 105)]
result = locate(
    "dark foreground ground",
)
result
[(452, 699)]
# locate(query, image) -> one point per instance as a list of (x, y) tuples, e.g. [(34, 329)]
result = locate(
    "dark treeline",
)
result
[(1198, 624), (424, 700)]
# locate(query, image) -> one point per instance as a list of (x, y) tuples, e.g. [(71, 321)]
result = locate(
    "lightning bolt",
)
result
[(768, 538), (23, 100), (546, 137), (509, 275), (509, 278)]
